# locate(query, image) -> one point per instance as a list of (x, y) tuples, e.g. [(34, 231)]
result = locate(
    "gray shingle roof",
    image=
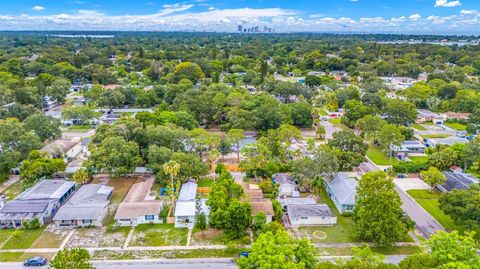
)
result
[(344, 188), (318, 210), (458, 181), (31, 206)]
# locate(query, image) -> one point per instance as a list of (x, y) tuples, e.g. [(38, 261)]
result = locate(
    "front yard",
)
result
[(24, 239), (159, 235), (429, 202), (13, 190), (427, 136), (456, 125)]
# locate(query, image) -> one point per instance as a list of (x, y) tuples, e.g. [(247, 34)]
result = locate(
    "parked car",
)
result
[(35, 261), (243, 254)]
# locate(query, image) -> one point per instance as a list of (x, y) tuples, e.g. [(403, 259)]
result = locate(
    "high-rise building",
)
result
[(240, 28)]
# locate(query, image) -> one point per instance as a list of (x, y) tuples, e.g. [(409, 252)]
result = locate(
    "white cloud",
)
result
[(415, 17), (470, 12), (211, 8), (447, 3), (38, 8)]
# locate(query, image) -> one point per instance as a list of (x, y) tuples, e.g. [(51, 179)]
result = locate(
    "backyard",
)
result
[(13, 190), (379, 157)]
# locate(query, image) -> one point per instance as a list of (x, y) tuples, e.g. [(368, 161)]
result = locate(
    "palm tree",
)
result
[(318, 183), (171, 168), (213, 156)]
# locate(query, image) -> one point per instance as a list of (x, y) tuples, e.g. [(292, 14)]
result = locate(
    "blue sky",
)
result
[(393, 16)]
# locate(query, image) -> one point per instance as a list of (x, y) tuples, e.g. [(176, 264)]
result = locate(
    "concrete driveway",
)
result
[(329, 129), (415, 183)]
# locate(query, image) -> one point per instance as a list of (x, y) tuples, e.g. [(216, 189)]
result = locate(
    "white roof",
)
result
[(185, 208), (188, 192)]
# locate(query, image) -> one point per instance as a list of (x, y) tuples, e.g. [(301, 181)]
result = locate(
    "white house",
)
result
[(308, 214), (87, 207), (185, 208), (286, 184), (68, 149), (139, 207)]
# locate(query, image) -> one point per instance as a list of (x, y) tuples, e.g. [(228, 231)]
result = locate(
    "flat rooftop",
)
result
[(47, 189), (317, 210)]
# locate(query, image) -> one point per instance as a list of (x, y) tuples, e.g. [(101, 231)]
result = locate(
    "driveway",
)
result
[(329, 129), (414, 183)]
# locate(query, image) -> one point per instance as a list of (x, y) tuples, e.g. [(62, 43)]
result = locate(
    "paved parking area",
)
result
[(406, 184)]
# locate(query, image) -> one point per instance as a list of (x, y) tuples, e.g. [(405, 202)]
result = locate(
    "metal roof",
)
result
[(344, 188), (47, 189), (188, 192), (185, 208)]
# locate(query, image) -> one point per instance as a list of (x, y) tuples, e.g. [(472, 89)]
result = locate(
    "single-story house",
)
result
[(41, 202), (317, 73), (307, 214), (424, 115), (263, 205), (335, 114), (3, 200), (259, 204), (68, 149), (456, 115), (342, 190), (87, 207), (185, 208), (139, 207), (109, 118), (457, 181), (296, 201), (409, 146), (286, 184), (432, 142)]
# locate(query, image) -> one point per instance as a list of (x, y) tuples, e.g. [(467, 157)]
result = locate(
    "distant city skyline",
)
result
[(367, 16)]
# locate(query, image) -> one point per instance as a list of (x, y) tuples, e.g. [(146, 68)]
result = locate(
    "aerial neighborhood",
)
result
[(163, 146)]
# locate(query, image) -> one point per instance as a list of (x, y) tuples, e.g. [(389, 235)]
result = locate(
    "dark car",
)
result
[(35, 261)]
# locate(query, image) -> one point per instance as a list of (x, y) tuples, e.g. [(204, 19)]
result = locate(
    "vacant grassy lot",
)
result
[(50, 239), (385, 251), (159, 235), (456, 125), (157, 254), (435, 136), (5, 235), (21, 256), (120, 188), (335, 121), (24, 240), (429, 201), (13, 190), (379, 157), (80, 128), (419, 127)]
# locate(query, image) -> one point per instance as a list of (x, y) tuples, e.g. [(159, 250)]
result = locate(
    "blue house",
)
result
[(342, 190)]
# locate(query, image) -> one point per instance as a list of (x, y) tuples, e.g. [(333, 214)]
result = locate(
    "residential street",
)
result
[(425, 223), (212, 263)]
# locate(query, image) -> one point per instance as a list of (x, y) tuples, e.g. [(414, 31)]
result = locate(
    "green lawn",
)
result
[(418, 159), (25, 240), (21, 256), (80, 128), (335, 121), (4, 235), (435, 136), (13, 190), (341, 232), (205, 182), (379, 157), (159, 235), (456, 125), (419, 127), (429, 201), (322, 112)]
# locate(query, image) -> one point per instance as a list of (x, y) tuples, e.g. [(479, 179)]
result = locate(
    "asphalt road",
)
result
[(179, 263), (329, 129), (425, 223)]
